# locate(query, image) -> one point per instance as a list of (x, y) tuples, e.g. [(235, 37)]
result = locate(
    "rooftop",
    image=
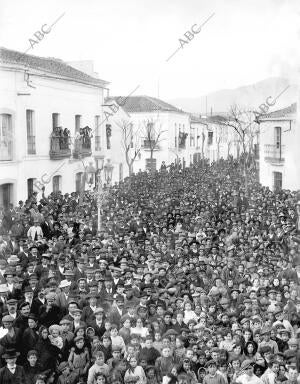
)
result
[(144, 104), (49, 65), (285, 113)]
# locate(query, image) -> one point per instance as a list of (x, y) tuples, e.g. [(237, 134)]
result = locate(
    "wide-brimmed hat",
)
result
[(10, 354)]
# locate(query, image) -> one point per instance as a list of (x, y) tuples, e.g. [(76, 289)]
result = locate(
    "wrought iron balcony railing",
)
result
[(274, 153), (59, 147)]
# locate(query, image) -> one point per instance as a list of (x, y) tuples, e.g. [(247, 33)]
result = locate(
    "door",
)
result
[(78, 181), (56, 183), (6, 191), (30, 184), (277, 181)]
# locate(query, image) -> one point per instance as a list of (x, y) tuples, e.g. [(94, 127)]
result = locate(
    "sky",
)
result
[(129, 41)]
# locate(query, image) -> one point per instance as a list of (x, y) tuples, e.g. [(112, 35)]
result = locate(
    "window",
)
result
[(77, 123), (108, 136), (30, 132), (210, 138), (78, 181), (278, 137), (277, 181), (6, 143), (30, 184), (192, 137), (97, 134), (6, 194), (55, 120), (56, 183)]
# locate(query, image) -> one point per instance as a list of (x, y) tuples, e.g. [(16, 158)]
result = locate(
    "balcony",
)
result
[(59, 147), (82, 147), (274, 154), (6, 149), (150, 144)]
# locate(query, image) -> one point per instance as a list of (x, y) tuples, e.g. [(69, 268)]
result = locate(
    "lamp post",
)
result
[(88, 176)]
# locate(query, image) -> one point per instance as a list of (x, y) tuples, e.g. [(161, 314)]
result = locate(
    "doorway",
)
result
[(6, 195)]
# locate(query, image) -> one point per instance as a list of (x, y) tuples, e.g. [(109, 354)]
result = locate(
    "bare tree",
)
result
[(229, 143), (153, 135), (242, 122), (130, 141)]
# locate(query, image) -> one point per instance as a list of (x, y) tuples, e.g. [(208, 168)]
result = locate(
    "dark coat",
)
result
[(6, 377), (53, 316), (29, 340), (48, 354)]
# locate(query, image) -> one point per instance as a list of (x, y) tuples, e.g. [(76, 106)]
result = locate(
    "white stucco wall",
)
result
[(167, 122), (49, 96), (290, 167)]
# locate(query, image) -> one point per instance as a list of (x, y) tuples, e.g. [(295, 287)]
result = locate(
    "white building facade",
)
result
[(279, 163), (215, 139), (49, 113), (177, 135)]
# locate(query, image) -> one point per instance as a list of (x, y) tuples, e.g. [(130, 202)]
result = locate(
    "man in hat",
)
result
[(63, 297), (50, 313), (22, 320), (12, 373), (42, 270), (7, 341), (117, 310), (79, 272), (107, 291), (12, 305), (38, 301), (88, 312), (66, 375), (98, 322)]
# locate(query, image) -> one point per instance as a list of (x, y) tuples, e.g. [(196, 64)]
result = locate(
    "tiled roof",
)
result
[(218, 119), (144, 104), (50, 66), (285, 113)]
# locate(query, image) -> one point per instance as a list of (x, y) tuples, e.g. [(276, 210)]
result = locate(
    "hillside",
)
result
[(249, 96)]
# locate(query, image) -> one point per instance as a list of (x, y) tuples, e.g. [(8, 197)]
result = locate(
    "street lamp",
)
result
[(90, 174)]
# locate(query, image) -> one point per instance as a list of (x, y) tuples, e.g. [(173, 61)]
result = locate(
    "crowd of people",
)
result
[(191, 279)]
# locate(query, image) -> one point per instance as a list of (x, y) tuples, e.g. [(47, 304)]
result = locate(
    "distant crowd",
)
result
[(192, 278)]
